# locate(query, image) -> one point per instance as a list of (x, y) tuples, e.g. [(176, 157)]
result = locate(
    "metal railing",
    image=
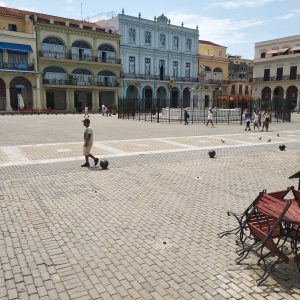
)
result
[(13, 66), (79, 82), (159, 77), (275, 78), (76, 57)]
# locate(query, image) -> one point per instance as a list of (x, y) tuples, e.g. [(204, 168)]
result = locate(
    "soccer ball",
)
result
[(103, 164)]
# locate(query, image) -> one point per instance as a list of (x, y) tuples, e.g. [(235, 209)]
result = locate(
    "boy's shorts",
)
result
[(87, 150)]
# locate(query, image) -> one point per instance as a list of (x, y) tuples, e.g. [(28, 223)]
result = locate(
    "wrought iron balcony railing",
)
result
[(76, 57), (275, 78), (158, 77), (79, 82), (14, 66)]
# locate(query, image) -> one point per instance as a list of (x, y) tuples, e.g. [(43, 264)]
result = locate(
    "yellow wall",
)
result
[(213, 57)]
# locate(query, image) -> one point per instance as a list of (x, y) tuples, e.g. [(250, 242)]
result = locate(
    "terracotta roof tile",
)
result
[(210, 43), (22, 13)]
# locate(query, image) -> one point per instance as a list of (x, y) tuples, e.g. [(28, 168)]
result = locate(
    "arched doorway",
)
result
[(20, 93), (106, 53), (131, 99), (278, 100), (218, 74), (148, 98), (186, 97), (162, 97), (266, 98), (175, 97), (2, 94), (291, 96)]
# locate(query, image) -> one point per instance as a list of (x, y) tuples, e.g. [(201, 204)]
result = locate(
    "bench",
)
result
[(267, 231)]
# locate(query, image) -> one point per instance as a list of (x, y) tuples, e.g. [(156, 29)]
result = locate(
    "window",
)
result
[(175, 68), (176, 42), (207, 52), (262, 54), (147, 66), (131, 64), (240, 89), (187, 70), (12, 27), (132, 34), (220, 53), (267, 75), (188, 44), (279, 73), (293, 72), (17, 58), (148, 37), (162, 40), (161, 69), (232, 90), (247, 90)]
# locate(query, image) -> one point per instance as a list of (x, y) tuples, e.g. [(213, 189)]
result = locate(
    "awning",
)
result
[(282, 50), (297, 48), (15, 47)]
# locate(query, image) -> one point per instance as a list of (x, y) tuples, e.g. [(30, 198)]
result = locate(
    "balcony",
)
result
[(75, 57), (275, 78), (19, 67), (80, 83), (158, 77)]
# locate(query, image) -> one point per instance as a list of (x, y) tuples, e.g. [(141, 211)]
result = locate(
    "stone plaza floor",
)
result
[(145, 228)]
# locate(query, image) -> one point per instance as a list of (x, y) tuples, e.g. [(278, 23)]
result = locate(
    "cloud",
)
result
[(2, 3), (221, 31), (291, 14), (241, 3)]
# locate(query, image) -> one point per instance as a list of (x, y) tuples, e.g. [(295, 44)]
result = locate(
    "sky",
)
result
[(235, 24)]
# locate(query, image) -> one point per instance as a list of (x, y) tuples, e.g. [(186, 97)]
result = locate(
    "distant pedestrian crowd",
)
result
[(260, 119)]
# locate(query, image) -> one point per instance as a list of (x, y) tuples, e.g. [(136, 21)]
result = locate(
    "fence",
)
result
[(151, 111)]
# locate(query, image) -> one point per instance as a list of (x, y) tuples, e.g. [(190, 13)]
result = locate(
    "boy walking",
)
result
[(88, 143)]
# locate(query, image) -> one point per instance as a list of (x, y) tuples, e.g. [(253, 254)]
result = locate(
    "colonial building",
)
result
[(18, 64), (276, 73), (213, 73), (79, 64), (240, 76), (75, 64), (159, 60)]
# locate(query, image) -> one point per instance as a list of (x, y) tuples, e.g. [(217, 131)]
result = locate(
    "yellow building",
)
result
[(18, 68), (213, 72), (54, 63), (78, 64)]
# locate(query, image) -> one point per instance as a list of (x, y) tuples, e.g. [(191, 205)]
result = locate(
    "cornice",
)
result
[(77, 31)]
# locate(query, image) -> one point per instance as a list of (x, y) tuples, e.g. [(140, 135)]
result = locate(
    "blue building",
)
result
[(159, 60)]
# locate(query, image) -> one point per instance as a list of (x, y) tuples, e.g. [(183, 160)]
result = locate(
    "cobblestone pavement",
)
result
[(147, 227)]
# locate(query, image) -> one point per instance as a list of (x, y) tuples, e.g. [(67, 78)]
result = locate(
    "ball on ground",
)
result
[(103, 164)]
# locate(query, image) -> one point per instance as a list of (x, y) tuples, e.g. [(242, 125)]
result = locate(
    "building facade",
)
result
[(79, 64), (159, 60), (18, 62), (276, 72), (53, 63), (213, 73), (240, 73)]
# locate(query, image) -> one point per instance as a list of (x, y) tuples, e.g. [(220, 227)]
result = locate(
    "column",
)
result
[(95, 101), (70, 100), (297, 108), (36, 98), (7, 104), (116, 97)]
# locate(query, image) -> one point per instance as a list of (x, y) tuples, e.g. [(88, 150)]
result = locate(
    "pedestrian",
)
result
[(186, 116), (86, 112), (262, 118), (103, 109), (88, 143), (248, 121), (210, 117), (256, 120), (267, 119)]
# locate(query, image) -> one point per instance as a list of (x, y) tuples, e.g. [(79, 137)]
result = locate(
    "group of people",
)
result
[(260, 119), (209, 117), (106, 111)]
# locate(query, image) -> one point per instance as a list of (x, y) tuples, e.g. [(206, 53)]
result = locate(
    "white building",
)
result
[(276, 72), (159, 60)]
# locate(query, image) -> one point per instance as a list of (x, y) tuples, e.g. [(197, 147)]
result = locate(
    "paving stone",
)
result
[(147, 227)]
